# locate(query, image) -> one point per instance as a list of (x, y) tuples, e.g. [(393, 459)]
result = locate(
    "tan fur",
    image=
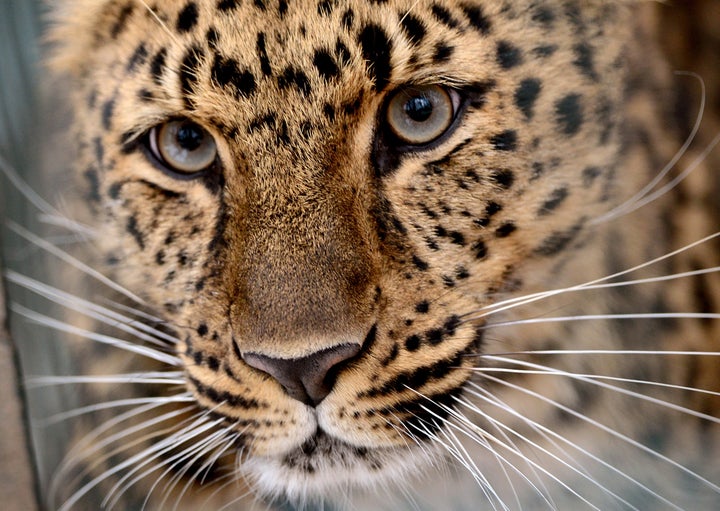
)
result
[(319, 247)]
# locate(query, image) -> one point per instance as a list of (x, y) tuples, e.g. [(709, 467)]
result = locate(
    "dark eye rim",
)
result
[(158, 162), (456, 100), (389, 150), (396, 144)]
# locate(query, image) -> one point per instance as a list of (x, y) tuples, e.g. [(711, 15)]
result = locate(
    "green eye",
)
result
[(418, 115), (183, 146)]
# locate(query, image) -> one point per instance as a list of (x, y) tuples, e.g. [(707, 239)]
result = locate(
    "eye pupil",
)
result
[(419, 108), (190, 136)]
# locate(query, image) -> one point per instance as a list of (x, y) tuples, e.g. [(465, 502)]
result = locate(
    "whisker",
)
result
[(72, 261), (200, 426), (160, 378), (607, 429), (102, 314), (88, 446), (100, 338), (119, 403), (533, 297), (575, 376), (631, 204), (590, 317), (551, 433), (589, 377)]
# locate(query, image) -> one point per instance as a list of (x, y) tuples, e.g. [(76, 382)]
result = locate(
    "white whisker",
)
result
[(479, 392), (72, 261), (637, 201), (119, 403), (510, 303), (115, 342), (602, 427), (592, 317), (93, 310)]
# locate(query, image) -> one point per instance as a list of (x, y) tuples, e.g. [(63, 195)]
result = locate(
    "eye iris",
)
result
[(190, 137), (419, 108), (419, 114), (183, 146)]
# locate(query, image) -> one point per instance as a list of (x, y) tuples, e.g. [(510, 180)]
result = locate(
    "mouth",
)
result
[(324, 467)]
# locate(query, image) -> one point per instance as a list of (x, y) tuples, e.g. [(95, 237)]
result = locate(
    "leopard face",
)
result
[(323, 198)]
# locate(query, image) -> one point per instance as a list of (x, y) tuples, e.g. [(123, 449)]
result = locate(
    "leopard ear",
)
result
[(75, 27)]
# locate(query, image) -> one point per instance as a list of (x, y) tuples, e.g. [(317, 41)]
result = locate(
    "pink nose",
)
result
[(308, 379)]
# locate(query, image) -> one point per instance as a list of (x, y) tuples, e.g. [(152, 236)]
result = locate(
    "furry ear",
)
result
[(77, 26)]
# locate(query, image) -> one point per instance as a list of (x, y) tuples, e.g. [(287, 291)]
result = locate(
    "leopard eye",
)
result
[(183, 146), (418, 115)]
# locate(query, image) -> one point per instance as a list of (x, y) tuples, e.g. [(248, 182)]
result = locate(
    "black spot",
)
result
[(138, 58), (434, 336), (476, 17), (329, 112), (212, 36), (145, 95), (505, 141), (413, 27), (584, 60), (479, 248), (227, 5), (121, 20), (545, 50), (347, 19), (505, 230), (263, 56), (443, 16), (462, 273), (422, 307), (457, 238), (559, 240), (443, 52), (160, 257), (569, 114), (282, 8), (188, 18), (157, 65), (508, 55), (226, 72), (114, 190), (213, 363), (189, 73), (294, 77), (260, 4), (412, 343), (419, 263), (503, 177), (107, 113), (526, 94), (342, 52), (134, 231), (325, 7), (202, 329), (545, 16), (376, 49), (325, 64), (556, 198), (94, 183), (589, 174)]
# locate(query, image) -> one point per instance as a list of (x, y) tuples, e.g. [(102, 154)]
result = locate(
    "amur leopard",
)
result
[(387, 254)]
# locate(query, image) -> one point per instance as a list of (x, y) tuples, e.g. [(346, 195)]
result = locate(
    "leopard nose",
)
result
[(308, 379)]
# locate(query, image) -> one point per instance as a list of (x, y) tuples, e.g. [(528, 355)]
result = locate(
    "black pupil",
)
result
[(190, 136), (419, 108)]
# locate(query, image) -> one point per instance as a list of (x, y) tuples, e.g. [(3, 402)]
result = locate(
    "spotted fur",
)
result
[(317, 228)]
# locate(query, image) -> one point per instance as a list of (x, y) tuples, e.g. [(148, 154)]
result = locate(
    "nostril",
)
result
[(308, 379)]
